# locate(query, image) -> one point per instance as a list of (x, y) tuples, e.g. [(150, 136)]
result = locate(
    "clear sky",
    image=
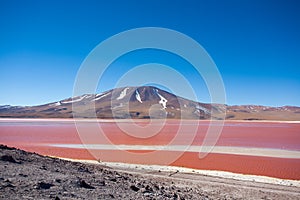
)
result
[(255, 45)]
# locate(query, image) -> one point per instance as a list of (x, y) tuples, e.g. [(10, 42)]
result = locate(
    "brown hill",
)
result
[(143, 103)]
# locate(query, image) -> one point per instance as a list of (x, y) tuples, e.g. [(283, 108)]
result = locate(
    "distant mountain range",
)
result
[(145, 102)]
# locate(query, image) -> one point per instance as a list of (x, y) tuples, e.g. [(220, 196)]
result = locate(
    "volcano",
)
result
[(143, 103)]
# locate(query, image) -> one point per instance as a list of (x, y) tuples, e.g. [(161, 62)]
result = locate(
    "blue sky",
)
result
[(255, 45)]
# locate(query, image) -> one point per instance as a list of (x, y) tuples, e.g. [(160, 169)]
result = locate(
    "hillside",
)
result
[(143, 103)]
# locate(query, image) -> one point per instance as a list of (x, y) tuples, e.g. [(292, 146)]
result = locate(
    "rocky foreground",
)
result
[(25, 175)]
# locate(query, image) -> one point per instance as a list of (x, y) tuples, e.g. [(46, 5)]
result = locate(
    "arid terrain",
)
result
[(143, 103), (31, 176)]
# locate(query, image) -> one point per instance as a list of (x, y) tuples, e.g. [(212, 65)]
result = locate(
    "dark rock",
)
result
[(83, 184), (6, 147), (58, 180), (43, 167), (7, 180), (148, 188), (102, 183), (23, 175), (173, 173), (134, 188), (43, 185), (113, 179), (10, 185), (147, 191), (83, 169), (8, 158), (175, 196)]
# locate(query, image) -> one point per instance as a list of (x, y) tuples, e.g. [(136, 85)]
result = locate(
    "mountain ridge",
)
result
[(146, 102)]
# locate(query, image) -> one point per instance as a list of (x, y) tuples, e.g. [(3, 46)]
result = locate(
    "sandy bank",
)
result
[(25, 175), (173, 169), (244, 151)]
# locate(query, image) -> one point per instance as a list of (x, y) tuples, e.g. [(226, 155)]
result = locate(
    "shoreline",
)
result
[(34, 176), (174, 169), (138, 120), (231, 150)]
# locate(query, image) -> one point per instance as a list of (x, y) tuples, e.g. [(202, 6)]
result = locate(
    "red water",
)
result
[(38, 136)]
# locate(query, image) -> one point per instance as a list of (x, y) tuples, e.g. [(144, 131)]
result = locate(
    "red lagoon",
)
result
[(257, 148)]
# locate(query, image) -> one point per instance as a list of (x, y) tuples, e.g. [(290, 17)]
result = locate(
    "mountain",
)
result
[(145, 102), (256, 112), (128, 102)]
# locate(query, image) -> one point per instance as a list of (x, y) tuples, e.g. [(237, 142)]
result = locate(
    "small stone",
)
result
[(8, 158), (10, 185), (175, 196), (134, 188), (43, 185), (83, 184), (43, 167), (102, 183), (23, 175), (113, 179), (58, 180)]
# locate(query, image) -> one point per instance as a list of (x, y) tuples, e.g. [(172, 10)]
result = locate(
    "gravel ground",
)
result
[(25, 175)]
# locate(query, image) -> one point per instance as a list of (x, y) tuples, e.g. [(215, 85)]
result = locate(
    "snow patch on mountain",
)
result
[(123, 94), (6, 107), (88, 96), (75, 100), (100, 96), (56, 104), (137, 96), (163, 101), (198, 107)]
